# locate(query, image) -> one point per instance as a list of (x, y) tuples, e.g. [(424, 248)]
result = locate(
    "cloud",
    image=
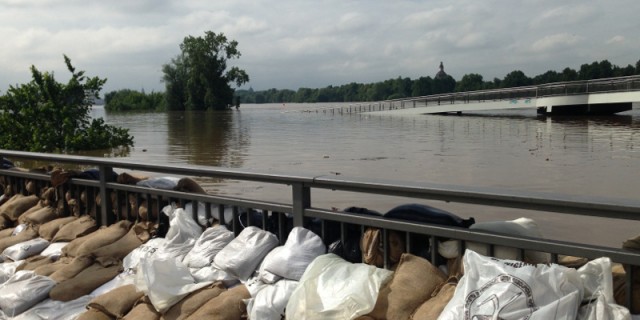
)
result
[(555, 42), (616, 39)]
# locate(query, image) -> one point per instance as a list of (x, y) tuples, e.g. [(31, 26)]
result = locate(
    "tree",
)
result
[(470, 82), (198, 78), (515, 78), (45, 115)]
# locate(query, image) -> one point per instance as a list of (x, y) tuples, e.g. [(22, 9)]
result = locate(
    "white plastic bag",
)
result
[(301, 248), (598, 302), (8, 269), (123, 279), (242, 256), (132, 260), (210, 242), (54, 250), (182, 234), (56, 310), (164, 183), (264, 275), (22, 291), (202, 212), (26, 249), (270, 302), (493, 288), (332, 288)]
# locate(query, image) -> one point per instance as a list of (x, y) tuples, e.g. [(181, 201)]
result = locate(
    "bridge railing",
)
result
[(606, 85), (127, 203)]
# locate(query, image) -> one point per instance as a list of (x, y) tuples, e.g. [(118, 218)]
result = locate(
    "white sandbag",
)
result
[(22, 291), (148, 249), (56, 310), (202, 212), (54, 250), (26, 249), (507, 289), (448, 249), (270, 302), (598, 302), (242, 256), (164, 183), (210, 242), (227, 213), (211, 273), (264, 275), (165, 281), (122, 279), (302, 247), (8, 269), (182, 234), (332, 288)]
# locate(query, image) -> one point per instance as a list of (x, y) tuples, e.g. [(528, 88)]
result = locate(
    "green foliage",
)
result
[(198, 79), (132, 100), (45, 115)]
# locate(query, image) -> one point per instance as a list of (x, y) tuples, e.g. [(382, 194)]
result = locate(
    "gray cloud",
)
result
[(292, 44)]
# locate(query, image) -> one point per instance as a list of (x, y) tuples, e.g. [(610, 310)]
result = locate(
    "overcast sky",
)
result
[(287, 44)]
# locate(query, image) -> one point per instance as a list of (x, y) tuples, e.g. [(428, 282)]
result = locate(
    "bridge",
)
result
[(592, 97)]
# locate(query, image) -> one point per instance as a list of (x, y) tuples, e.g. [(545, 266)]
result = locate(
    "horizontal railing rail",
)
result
[(301, 211)]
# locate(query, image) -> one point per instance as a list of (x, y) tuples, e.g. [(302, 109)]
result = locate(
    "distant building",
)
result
[(441, 74)]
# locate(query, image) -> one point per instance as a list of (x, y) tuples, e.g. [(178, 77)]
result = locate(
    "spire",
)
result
[(441, 74)]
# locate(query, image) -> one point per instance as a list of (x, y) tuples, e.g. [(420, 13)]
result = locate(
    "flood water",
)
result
[(593, 156)]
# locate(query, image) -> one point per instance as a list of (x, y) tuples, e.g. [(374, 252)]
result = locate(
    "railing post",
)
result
[(301, 201), (106, 207)]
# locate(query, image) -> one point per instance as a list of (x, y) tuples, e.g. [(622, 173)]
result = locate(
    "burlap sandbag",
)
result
[(373, 251), (432, 308), (98, 239), (142, 311), (189, 185), (48, 230), (85, 282), (26, 234), (34, 262), (71, 248), (193, 301), (71, 268), (412, 283), (227, 306), (36, 207), (571, 261), (5, 223), (39, 216), (82, 226), (17, 205), (48, 269), (137, 235), (117, 302), (130, 177), (94, 314)]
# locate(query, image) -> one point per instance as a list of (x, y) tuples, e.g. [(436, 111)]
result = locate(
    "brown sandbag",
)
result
[(48, 230), (40, 216), (143, 310), (94, 314), (71, 269), (48, 269), (227, 306), (189, 185), (36, 207), (571, 261), (432, 308), (26, 234), (82, 226), (130, 177), (117, 302), (104, 236), (412, 283), (372, 247), (34, 262), (85, 282), (17, 205), (137, 235), (6, 233), (5, 223), (193, 301)]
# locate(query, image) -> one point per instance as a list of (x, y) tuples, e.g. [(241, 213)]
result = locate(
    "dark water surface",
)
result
[(593, 156)]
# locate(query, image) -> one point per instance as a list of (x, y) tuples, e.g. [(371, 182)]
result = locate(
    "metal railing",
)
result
[(300, 210)]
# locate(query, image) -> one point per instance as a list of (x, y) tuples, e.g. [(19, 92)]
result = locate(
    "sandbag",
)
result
[(598, 302), (4, 233), (270, 302), (79, 227), (5, 223), (228, 305), (432, 308), (8, 269), (22, 291), (182, 234), (253, 244), (26, 234), (54, 250), (189, 185), (427, 214), (103, 237), (302, 247), (145, 251), (142, 311), (23, 250), (47, 269), (193, 302), (17, 205), (264, 275), (117, 302), (137, 235), (84, 282), (122, 279), (372, 247), (332, 288), (512, 289), (131, 177), (34, 262), (94, 314), (56, 310), (164, 183), (71, 268), (208, 245), (413, 282), (49, 229), (40, 216)]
